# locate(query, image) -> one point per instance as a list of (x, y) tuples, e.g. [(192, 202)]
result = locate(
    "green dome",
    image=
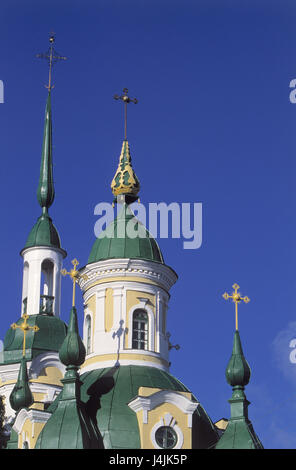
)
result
[(72, 351), (43, 233), (238, 371), (21, 395), (114, 242), (51, 334), (107, 392)]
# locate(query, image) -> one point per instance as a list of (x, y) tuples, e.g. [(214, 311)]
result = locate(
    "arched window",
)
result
[(46, 290), (140, 329), (88, 334)]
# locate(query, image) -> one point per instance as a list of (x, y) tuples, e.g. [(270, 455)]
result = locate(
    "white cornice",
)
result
[(150, 270), (35, 416), (43, 248), (164, 396)]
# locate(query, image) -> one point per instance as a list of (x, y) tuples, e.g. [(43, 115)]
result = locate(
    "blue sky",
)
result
[(214, 124)]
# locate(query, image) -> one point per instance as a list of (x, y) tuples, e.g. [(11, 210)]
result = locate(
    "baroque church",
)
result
[(111, 387)]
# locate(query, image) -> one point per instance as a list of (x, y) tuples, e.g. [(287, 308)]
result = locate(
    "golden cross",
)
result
[(52, 56), (75, 276), (126, 99), (236, 298), (25, 328)]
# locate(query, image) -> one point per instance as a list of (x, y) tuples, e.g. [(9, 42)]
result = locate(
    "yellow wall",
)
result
[(49, 375), (158, 413), (30, 433), (108, 309)]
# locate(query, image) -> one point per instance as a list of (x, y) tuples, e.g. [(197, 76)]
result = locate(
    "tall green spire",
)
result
[(21, 395), (239, 433), (44, 233), (45, 191)]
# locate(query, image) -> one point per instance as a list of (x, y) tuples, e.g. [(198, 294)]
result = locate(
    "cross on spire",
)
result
[(126, 99), (236, 298), (75, 276), (25, 329), (52, 57)]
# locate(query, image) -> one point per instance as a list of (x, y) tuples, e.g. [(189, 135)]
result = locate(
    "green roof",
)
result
[(115, 242), (107, 392), (51, 334), (43, 233)]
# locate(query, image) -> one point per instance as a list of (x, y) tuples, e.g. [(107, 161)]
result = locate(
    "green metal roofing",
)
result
[(12, 443), (51, 334), (107, 392), (114, 242), (69, 427), (43, 233), (239, 434)]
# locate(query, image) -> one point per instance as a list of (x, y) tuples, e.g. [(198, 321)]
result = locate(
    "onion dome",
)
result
[(72, 351), (238, 371), (115, 242), (70, 413), (125, 180), (51, 334), (21, 395)]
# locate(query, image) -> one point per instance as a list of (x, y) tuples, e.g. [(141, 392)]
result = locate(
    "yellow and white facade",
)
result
[(114, 291)]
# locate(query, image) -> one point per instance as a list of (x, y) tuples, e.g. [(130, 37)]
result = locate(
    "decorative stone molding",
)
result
[(35, 416), (160, 273), (164, 396)]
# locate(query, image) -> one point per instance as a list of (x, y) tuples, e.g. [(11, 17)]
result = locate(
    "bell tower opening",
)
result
[(46, 287)]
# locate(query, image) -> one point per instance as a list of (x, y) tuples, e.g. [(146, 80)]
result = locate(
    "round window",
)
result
[(165, 437)]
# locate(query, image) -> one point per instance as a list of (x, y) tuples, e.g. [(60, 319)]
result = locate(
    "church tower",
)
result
[(33, 341), (126, 289), (42, 254)]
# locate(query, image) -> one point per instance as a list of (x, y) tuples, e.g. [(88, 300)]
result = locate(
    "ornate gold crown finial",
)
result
[(52, 57), (75, 276), (236, 298), (126, 99), (125, 181), (25, 329)]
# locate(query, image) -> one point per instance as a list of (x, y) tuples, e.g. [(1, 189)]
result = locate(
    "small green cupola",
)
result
[(44, 232), (70, 412), (239, 433)]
